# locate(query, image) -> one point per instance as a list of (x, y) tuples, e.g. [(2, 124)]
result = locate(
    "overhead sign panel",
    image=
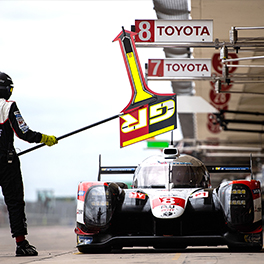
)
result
[(174, 30), (179, 67)]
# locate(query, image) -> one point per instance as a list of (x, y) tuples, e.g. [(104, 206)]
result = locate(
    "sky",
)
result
[(68, 74)]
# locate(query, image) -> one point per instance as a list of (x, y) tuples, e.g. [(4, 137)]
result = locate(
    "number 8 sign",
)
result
[(145, 30), (174, 30)]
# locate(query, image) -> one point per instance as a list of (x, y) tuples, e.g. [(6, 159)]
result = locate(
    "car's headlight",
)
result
[(98, 206)]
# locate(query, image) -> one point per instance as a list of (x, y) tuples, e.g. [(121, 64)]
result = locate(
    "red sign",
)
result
[(156, 67), (217, 62), (145, 29), (219, 98)]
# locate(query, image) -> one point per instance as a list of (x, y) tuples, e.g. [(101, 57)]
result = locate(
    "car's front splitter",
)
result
[(228, 239)]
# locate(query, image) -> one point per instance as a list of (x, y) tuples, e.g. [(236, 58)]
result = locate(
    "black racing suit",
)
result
[(10, 174)]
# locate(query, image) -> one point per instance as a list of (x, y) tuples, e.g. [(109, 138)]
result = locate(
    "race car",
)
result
[(171, 205)]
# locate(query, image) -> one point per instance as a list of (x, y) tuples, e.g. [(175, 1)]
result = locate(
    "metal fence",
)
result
[(58, 211)]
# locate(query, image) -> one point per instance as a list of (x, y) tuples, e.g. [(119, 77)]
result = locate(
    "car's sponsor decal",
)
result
[(84, 240), (253, 238), (137, 195), (172, 163), (79, 211), (256, 191), (168, 201), (199, 195), (81, 193)]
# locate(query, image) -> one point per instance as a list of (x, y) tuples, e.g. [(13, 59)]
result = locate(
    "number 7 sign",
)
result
[(171, 67), (156, 67)]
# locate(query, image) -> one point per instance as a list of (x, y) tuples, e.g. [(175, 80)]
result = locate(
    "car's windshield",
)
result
[(180, 173), (153, 176), (188, 176)]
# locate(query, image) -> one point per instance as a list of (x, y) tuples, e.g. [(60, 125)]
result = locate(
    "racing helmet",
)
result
[(6, 86)]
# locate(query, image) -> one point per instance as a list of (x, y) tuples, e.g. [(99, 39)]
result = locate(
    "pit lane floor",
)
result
[(56, 245)]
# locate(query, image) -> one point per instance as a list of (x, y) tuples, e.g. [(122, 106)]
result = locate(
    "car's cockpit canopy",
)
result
[(182, 172)]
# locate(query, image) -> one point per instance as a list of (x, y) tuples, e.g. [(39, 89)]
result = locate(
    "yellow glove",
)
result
[(48, 140)]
